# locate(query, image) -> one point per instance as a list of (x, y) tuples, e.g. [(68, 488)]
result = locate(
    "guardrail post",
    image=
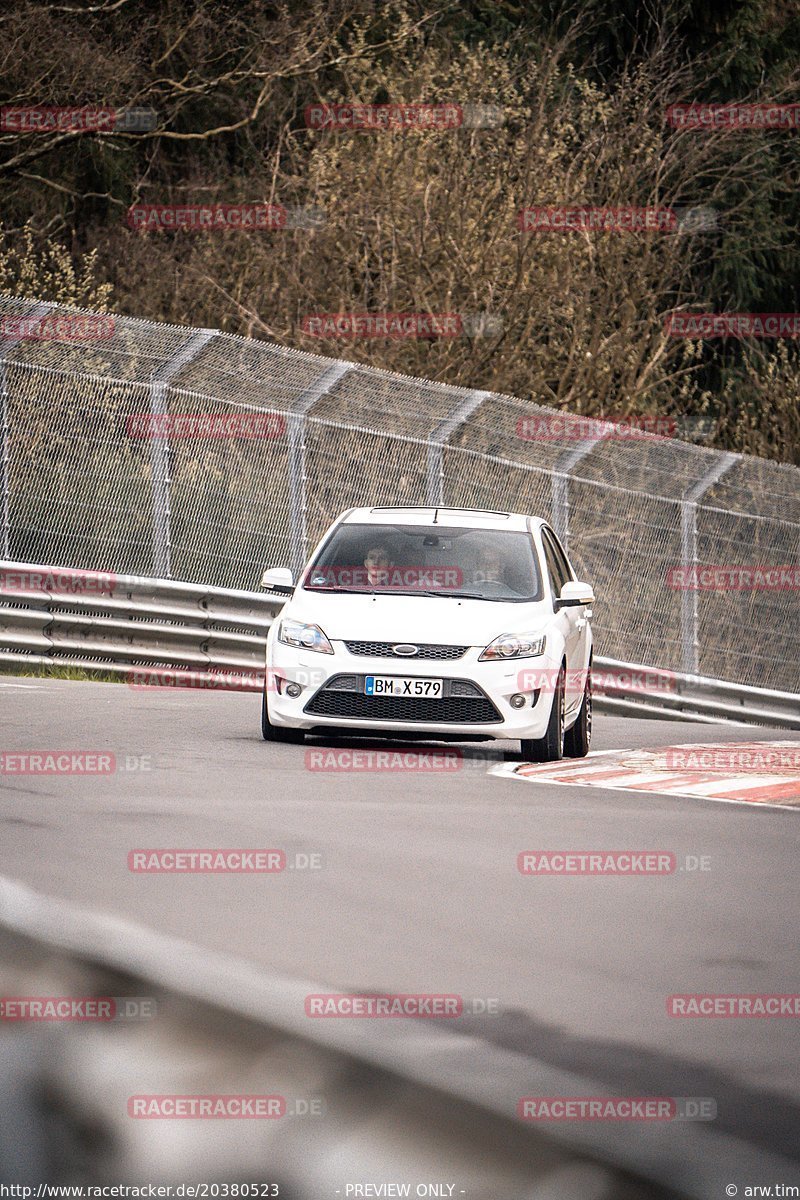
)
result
[(7, 343), (560, 481), (690, 635), (434, 492), (298, 532), (160, 449)]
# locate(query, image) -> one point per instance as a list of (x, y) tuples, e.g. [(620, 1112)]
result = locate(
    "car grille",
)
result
[(386, 650), (463, 703)]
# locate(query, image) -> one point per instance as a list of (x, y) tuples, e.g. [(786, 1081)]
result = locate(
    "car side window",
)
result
[(557, 565), (552, 566), (561, 557)]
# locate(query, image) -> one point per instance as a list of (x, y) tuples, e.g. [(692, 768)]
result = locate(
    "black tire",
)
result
[(549, 748), (578, 737), (274, 733)]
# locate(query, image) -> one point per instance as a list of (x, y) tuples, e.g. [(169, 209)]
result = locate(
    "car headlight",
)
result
[(304, 637), (515, 645)]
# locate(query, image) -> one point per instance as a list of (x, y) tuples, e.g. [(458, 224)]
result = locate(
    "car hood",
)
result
[(416, 619)]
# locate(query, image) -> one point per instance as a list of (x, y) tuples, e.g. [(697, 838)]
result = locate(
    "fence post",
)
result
[(5, 460), (434, 490), (7, 342), (160, 481), (298, 533), (160, 452), (690, 634)]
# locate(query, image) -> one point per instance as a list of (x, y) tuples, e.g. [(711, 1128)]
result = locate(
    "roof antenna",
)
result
[(436, 516)]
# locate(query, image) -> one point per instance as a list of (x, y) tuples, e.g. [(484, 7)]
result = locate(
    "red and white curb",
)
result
[(728, 772)]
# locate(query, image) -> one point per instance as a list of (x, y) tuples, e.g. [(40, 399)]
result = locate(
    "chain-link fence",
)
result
[(103, 467)]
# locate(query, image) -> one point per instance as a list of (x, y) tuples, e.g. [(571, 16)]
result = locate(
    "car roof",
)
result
[(422, 514)]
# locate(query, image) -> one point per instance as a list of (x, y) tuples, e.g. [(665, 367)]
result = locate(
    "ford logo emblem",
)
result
[(406, 650)]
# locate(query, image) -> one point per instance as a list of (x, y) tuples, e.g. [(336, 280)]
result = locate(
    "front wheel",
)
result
[(578, 737), (274, 733), (549, 748)]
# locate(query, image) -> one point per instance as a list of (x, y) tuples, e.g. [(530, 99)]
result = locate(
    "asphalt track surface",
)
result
[(419, 891)]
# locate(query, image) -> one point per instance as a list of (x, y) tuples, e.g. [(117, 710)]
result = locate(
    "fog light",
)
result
[(517, 701), (293, 690)]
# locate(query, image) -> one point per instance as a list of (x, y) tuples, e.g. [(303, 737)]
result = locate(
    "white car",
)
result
[(445, 623)]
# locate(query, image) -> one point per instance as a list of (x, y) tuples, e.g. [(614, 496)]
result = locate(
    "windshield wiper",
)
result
[(340, 591), (454, 595), (330, 591)]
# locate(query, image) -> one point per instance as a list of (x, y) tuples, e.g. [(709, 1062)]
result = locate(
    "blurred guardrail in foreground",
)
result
[(393, 1102), (155, 629), (182, 453)]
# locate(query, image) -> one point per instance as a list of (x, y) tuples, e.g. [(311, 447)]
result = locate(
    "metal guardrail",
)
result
[(392, 1100), (670, 695), (123, 624), (126, 625)]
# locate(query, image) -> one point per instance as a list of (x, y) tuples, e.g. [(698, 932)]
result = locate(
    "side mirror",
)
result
[(574, 594), (278, 579)]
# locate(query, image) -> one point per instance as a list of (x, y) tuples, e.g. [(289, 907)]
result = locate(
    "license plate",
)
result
[(403, 685)]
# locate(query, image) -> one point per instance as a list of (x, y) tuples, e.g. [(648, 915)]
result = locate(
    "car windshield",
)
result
[(408, 560)]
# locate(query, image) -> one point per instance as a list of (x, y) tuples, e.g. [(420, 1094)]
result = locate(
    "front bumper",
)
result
[(345, 705)]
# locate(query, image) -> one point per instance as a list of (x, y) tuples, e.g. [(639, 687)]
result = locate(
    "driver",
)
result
[(378, 562)]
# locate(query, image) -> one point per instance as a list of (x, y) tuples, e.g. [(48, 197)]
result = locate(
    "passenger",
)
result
[(491, 570)]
